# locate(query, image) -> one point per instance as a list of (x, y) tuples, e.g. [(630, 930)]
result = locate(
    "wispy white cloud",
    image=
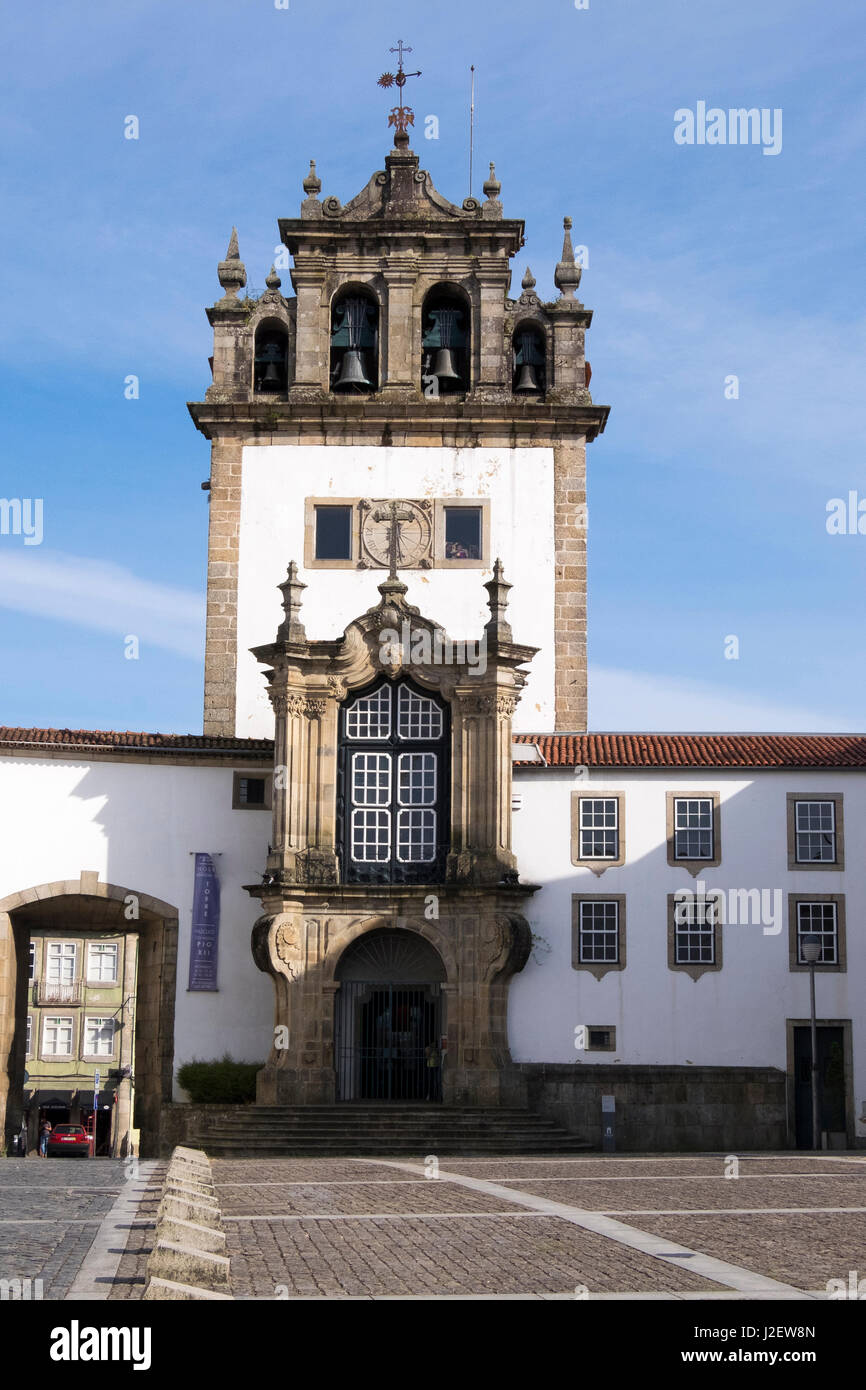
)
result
[(631, 700), (104, 596)]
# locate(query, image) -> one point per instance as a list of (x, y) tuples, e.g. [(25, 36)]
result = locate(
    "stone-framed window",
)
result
[(28, 1037), (99, 1033), (58, 1035), (694, 934), (102, 961), (598, 830), (61, 960), (693, 830), (822, 914), (31, 962), (815, 831), (251, 791), (598, 933), (461, 533), (352, 533), (393, 785), (600, 1037)]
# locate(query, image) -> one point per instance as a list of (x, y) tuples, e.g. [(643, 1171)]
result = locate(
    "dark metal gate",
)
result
[(387, 1040)]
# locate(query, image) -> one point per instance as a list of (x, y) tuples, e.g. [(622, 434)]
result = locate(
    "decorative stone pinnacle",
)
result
[(491, 186), (291, 629), (231, 272), (567, 274), (528, 282), (312, 183), (498, 628), (272, 279)]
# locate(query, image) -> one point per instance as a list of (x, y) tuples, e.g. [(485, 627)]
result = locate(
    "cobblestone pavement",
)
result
[(129, 1281), (50, 1210), (321, 1228)]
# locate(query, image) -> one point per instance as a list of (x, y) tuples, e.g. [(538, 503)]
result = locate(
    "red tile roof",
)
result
[(697, 750), (89, 739)]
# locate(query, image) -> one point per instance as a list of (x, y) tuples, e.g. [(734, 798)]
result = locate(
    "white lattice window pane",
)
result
[(816, 832), (693, 828), (371, 836), (599, 932), (417, 717), (417, 779), (370, 715), (99, 1037), (371, 779), (101, 963), (416, 836), (57, 1037), (599, 833), (818, 919), (61, 962)]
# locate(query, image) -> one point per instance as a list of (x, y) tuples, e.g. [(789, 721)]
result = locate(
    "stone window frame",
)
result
[(468, 503), (693, 866), (32, 962), (75, 941), (238, 805), (86, 981), (87, 1056), (598, 968), (795, 965), (600, 1047), (28, 1033), (837, 865), (694, 969), (310, 560), (597, 866), (45, 1015)]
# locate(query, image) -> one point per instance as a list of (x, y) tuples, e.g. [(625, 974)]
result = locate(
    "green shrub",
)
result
[(219, 1083)]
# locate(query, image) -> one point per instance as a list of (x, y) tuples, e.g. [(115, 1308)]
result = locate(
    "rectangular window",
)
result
[(333, 533), (818, 919), (61, 962), (251, 791), (371, 779), (693, 828), (694, 933), (99, 1037), (417, 779), (599, 933), (101, 963), (57, 1037), (815, 831), (599, 827), (371, 836), (29, 1042), (31, 969), (463, 533), (416, 836)]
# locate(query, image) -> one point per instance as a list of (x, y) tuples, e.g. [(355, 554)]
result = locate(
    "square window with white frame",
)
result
[(818, 919), (693, 827), (99, 1037), (599, 827), (61, 959), (598, 933), (101, 962), (815, 832), (695, 932), (57, 1036)]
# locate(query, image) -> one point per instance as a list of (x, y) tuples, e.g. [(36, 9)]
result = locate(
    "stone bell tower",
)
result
[(402, 434)]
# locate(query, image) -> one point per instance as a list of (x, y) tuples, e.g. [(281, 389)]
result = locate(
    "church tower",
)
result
[(408, 442)]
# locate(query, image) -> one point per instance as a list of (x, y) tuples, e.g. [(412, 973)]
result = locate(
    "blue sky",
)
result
[(707, 515)]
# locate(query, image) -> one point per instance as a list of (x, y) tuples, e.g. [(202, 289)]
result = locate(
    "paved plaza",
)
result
[(587, 1227)]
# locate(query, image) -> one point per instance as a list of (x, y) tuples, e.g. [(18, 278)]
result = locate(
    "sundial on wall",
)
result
[(398, 531)]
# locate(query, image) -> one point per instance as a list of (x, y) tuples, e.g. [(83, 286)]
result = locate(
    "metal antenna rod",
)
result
[(471, 126)]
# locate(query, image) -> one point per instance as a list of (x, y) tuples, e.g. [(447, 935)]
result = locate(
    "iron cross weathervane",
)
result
[(401, 116)]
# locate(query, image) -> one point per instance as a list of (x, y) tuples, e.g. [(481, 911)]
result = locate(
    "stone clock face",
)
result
[(414, 534)]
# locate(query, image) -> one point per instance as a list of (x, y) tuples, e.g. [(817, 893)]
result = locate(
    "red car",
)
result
[(68, 1139)]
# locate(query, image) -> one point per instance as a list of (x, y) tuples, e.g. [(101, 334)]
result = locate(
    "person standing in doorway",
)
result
[(433, 1061), (44, 1131)]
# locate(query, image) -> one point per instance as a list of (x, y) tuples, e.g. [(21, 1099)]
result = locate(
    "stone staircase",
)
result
[(362, 1130)]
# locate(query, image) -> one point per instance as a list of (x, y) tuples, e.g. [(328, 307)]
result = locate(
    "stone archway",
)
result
[(80, 905)]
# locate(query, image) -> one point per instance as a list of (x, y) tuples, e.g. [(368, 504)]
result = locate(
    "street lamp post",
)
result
[(812, 947)]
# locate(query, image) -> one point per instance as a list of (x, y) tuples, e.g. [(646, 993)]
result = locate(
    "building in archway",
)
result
[(443, 872)]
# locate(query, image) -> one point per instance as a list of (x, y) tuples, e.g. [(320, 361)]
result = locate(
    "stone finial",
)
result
[(291, 629), (312, 183), (498, 628), (527, 287), (491, 186), (567, 274), (232, 272), (272, 279)]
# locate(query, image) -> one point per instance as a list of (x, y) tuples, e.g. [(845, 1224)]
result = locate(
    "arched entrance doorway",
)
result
[(388, 1019)]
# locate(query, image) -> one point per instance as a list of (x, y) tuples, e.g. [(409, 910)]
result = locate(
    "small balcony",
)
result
[(51, 992)]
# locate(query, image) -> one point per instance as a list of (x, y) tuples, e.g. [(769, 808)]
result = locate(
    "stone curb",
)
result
[(188, 1258)]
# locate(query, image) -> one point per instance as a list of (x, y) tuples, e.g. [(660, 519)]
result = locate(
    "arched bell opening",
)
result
[(354, 365), (389, 1021), (446, 324), (271, 359), (529, 362)]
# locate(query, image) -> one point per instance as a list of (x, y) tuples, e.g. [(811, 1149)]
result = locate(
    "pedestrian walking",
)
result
[(44, 1131)]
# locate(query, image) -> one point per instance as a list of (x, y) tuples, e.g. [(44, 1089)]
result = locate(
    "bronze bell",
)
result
[(527, 381), (443, 366), (352, 371), (271, 379)]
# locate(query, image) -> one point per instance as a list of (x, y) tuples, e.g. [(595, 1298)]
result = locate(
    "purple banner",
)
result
[(204, 941)]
